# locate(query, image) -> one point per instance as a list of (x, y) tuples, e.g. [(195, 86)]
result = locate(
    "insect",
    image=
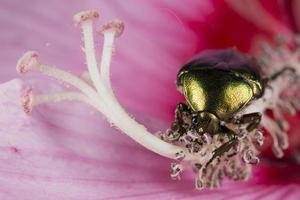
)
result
[(217, 86)]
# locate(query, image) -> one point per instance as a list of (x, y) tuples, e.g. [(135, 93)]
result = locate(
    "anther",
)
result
[(250, 158), (27, 100), (176, 170), (179, 156)]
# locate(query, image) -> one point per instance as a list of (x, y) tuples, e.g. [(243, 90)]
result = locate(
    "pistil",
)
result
[(100, 94)]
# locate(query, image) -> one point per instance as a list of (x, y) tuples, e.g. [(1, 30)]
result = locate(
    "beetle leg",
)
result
[(227, 145), (276, 74), (252, 119)]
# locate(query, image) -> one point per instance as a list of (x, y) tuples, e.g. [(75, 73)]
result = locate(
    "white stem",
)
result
[(72, 80), (89, 48), (59, 97), (139, 133), (88, 38)]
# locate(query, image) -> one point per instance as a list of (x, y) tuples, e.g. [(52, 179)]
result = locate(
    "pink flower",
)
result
[(68, 151)]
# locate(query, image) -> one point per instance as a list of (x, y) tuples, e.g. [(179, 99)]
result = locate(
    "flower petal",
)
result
[(74, 154)]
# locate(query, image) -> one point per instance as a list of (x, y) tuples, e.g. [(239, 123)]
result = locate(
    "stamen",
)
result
[(26, 101)]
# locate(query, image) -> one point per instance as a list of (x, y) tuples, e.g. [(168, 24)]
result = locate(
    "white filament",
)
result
[(59, 97), (89, 49)]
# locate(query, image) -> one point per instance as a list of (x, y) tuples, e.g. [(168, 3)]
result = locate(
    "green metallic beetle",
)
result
[(217, 85)]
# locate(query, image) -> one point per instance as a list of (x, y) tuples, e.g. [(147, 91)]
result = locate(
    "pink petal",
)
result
[(62, 153)]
